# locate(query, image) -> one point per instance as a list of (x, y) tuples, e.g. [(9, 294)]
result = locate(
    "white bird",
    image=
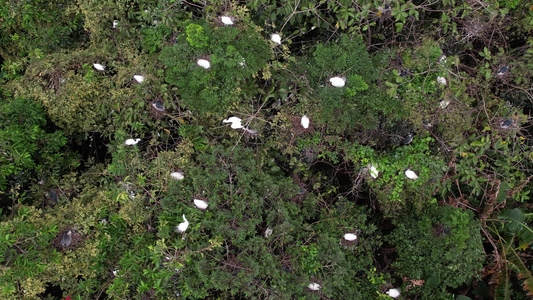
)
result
[(305, 122), (393, 293), (115, 23), (226, 20), (441, 80), (314, 286), (131, 142), (268, 232), (99, 67), (115, 273), (201, 204), (444, 103), (373, 171), (182, 226), (177, 175), (411, 174), (350, 237), (337, 81), (235, 122), (138, 78), (204, 63), (276, 38)]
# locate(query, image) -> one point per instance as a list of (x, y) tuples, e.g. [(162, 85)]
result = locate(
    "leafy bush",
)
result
[(440, 244), (236, 55)]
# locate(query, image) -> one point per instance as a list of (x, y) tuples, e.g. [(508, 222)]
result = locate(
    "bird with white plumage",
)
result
[(276, 38), (393, 293), (99, 67), (350, 237), (226, 20), (177, 175), (182, 226), (200, 204), (138, 78), (204, 63), (411, 174), (337, 81), (304, 122), (236, 123), (131, 142), (314, 286), (373, 171)]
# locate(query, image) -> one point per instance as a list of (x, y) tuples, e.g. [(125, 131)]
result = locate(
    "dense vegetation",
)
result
[(414, 171)]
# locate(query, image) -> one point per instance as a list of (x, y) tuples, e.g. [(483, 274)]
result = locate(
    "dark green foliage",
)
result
[(360, 102), (29, 153), (235, 54), (441, 245)]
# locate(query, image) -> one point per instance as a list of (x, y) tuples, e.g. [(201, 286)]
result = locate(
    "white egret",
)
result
[(226, 20), (337, 81), (115, 23), (393, 293), (235, 122), (138, 78), (99, 67), (441, 80), (305, 122), (115, 273), (177, 175), (411, 174), (200, 204), (131, 142), (373, 171), (204, 63), (350, 237), (314, 286), (268, 232), (276, 38), (182, 226)]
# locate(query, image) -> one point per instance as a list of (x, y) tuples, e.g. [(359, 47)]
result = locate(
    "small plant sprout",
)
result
[(373, 171), (131, 142), (441, 80), (200, 204), (502, 70), (411, 174), (337, 81), (276, 38), (408, 139), (235, 122), (204, 63), (314, 286), (305, 122), (268, 232), (506, 124), (182, 226), (99, 67), (393, 293), (177, 175), (226, 20), (66, 239), (115, 23), (158, 105), (138, 78), (350, 237)]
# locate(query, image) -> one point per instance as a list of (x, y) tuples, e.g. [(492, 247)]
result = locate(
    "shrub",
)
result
[(441, 245)]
